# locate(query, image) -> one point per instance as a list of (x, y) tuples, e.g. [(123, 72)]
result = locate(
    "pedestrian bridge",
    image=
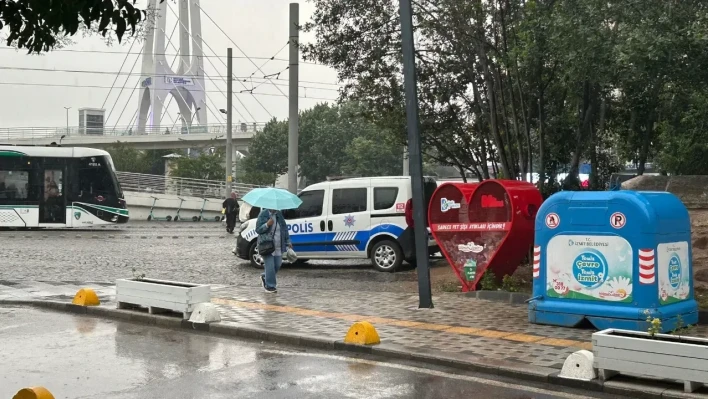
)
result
[(150, 139)]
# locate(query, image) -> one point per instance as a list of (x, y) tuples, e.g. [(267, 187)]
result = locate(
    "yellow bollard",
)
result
[(362, 333), (33, 393), (86, 297)]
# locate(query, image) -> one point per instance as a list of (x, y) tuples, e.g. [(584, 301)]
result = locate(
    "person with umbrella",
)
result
[(273, 236)]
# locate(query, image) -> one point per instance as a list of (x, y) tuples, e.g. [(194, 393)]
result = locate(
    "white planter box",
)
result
[(159, 295), (663, 356)]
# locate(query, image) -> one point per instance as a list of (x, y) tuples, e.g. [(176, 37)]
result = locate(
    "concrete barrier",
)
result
[(692, 190), (139, 206)]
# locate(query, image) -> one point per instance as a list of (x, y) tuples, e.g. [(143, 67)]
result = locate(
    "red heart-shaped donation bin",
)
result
[(487, 226)]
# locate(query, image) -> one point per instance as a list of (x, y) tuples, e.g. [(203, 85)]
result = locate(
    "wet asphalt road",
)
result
[(82, 357), (195, 252)]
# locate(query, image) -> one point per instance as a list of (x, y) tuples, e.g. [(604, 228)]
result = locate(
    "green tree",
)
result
[(334, 140), (366, 156), (155, 160), (128, 159), (205, 166), (39, 26), (684, 136), (248, 172), (268, 153), (511, 87)]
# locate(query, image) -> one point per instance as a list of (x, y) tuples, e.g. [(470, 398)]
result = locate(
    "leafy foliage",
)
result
[(334, 141), (268, 153), (508, 88), (205, 166), (128, 159), (39, 26)]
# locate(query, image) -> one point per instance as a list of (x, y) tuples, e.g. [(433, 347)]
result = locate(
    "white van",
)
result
[(358, 218)]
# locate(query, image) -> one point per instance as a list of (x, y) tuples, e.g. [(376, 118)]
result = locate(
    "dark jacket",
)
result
[(231, 205), (265, 233)]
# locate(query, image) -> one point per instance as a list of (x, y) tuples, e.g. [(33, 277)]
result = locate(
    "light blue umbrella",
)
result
[(272, 198)]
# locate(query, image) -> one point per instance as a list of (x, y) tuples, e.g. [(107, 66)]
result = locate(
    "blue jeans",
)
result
[(272, 266)]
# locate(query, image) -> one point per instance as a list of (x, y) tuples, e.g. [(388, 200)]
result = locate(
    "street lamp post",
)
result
[(229, 119), (425, 299), (67, 119)]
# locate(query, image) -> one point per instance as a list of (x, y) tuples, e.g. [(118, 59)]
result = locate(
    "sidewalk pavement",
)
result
[(458, 324), (459, 327)]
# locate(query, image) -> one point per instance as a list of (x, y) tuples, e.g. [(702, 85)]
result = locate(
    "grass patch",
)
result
[(448, 286)]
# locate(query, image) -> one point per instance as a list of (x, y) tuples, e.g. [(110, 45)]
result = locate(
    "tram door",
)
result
[(52, 209)]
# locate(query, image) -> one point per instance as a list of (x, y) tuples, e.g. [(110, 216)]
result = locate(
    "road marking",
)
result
[(416, 325), (462, 377)]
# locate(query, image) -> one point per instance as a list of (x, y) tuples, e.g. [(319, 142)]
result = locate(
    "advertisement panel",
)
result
[(674, 285), (596, 268)]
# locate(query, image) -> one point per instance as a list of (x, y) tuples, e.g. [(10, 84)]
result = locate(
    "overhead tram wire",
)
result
[(126, 82), (272, 58), (236, 45), (239, 81), (121, 91), (108, 87), (126, 105), (264, 64), (119, 71), (225, 97), (167, 55), (204, 71)]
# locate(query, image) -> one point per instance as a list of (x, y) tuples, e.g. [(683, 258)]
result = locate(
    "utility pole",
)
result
[(229, 119), (425, 297), (293, 97), (67, 119)]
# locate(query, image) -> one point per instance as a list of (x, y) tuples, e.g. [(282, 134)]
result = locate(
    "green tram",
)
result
[(58, 187)]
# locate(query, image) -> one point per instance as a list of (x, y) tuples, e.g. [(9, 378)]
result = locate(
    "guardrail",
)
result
[(157, 184), (14, 133)]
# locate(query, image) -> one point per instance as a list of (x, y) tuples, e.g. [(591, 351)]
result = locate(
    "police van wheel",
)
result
[(256, 260), (386, 256)]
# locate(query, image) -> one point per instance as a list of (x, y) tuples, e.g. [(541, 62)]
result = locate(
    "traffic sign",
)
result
[(552, 220), (618, 220)]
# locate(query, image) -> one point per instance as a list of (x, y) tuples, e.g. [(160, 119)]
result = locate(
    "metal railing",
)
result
[(156, 184), (14, 133)]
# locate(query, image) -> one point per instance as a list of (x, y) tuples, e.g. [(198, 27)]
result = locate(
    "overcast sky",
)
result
[(258, 27)]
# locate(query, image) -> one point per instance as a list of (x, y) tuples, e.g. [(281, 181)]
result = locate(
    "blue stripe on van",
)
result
[(321, 242)]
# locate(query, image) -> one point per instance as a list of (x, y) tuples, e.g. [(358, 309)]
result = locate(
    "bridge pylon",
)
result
[(158, 80)]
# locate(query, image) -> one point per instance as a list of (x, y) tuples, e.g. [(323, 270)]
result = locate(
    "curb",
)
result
[(391, 351)]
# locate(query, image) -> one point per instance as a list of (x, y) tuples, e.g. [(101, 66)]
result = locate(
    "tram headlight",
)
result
[(114, 218)]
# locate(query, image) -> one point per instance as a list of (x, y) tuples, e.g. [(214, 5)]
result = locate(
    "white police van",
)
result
[(357, 218)]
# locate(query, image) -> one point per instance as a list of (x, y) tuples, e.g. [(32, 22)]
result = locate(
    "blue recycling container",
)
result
[(613, 258)]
